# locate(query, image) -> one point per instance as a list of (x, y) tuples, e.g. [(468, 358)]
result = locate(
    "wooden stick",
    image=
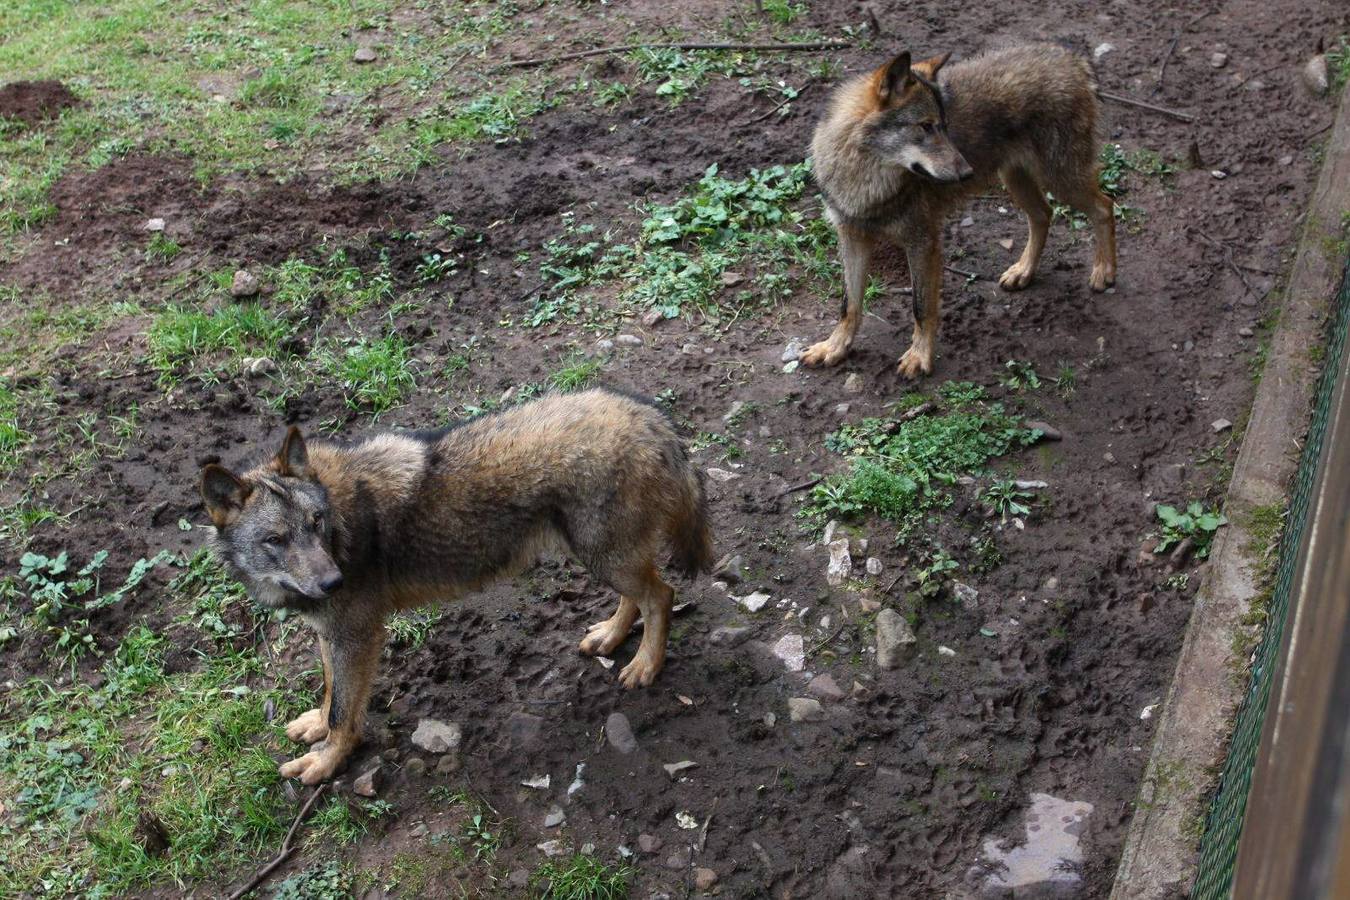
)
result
[(625, 48), (785, 102), (1130, 101), (286, 847), (805, 485)]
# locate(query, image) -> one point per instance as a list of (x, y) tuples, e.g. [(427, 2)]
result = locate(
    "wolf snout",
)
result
[(330, 583)]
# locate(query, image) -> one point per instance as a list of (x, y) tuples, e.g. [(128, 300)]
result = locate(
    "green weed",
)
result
[(179, 337), (581, 878), (1005, 498), (577, 373), (374, 374), (1197, 523)]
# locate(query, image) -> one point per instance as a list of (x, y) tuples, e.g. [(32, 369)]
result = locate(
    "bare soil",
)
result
[(921, 764), (31, 102)]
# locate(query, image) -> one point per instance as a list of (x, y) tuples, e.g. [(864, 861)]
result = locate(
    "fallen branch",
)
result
[(626, 48), (703, 835), (1130, 101), (287, 848), (969, 276), (804, 486), (785, 102), (1227, 257)]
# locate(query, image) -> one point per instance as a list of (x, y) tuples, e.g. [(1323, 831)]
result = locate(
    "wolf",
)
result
[(904, 146), (346, 534)]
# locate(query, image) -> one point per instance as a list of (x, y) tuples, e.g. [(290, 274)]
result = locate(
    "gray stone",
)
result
[(675, 769), (155, 224), (448, 764), (364, 55), (628, 340), (873, 566), (792, 351), (895, 639), (1030, 485), (1101, 50), (966, 595), (555, 817), (367, 784), (1316, 76), (841, 409), (853, 384), (754, 602), (841, 563), (823, 687), (704, 879), (552, 848), (415, 766), (730, 569), (604, 345), (722, 475), (243, 284), (620, 733), (791, 651), (649, 843), (1219, 425), (1218, 60), (652, 317), (805, 709), (728, 636), (435, 736)]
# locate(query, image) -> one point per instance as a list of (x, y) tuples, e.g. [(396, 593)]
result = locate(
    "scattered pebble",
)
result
[(686, 820), (793, 350), (753, 602), (704, 879), (415, 766), (368, 782), (895, 639), (841, 563), (805, 709), (604, 345), (244, 284), (448, 764), (728, 636), (364, 55), (1220, 174), (1101, 50), (649, 843), (652, 317), (1006, 243), (554, 847), (1147, 712), (967, 222), (790, 367), (967, 595), (628, 340), (1287, 160), (577, 784), (853, 384), (1316, 76), (1030, 485), (841, 410), (1218, 60), (1219, 425), (538, 782), (1246, 332), (435, 736), (620, 733), (258, 367), (154, 225), (722, 475), (674, 769), (873, 566), (731, 279), (824, 687), (555, 817), (946, 651)]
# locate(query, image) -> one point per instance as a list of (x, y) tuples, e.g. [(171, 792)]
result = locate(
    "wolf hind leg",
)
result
[(654, 598), (603, 638), (1027, 193)]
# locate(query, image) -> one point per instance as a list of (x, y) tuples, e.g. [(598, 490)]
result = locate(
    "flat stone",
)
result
[(722, 475), (728, 636), (364, 55), (792, 351), (1220, 425), (853, 384), (620, 733), (824, 687), (555, 817), (1218, 60), (435, 736), (679, 859), (675, 769), (754, 602), (805, 709), (1101, 50), (552, 848), (448, 764), (652, 317), (841, 563), (704, 879), (895, 639), (156, 224), (730, 569), (649, 843), (873, 566), (791, 651), (628, 340), (416, 766)]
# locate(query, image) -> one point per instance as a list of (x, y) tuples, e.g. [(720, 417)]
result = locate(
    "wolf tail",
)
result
[(690, 533)]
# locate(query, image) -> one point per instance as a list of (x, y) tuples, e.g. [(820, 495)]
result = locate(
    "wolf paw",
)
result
[(308, 728), (602, 638), (1016, 277), (1102, 277), (641, 672), (915, 362), (824, 353), (314, 766)]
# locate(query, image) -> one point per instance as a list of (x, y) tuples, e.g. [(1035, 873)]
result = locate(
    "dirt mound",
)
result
[(31, 102)]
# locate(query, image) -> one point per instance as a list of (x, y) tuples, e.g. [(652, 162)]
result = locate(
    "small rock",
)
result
[(790, 367), (674, 769), (1051, 584), (946, 651), (604, 345), (1006, 243), (853, 384), (620, 733), (153, 225), (895, 639), (1024, 485), (538, 782), (765, 431), (1244, 331), (722, 475), (967, 595), (824, 687), (873, 566), (435, 736), (831, 527), (730, 568), (1218, 174), (728, 636), (841, 563), (368, 782), (364, 55), (551, 848), (628, 340), (1218, 60), (841, 409), (555, 817), (792, 351), (649, 843), (652, 317), (1101, 50), (416, 766), (704, 879), (1147, 712), (731, 279), (679, 859), (868, 604), (1256, 84), (244, 284), (1287, 160), (690, 349), (805, 709), (791, 651), (448, 764), (1316, 77), (1220, 425), (260, 367), (967, 222), (754, 602)]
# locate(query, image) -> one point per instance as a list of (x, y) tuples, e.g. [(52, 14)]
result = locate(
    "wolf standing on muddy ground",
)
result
[(346, 535), (904, 146)]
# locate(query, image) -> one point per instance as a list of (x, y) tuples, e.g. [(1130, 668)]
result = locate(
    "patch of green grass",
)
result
[(83, 768), (1338, 63), (902, 468), (576, 373), (411, 629), (783, 12), (180, 337), (13, 437), (162, 248), (496, 116), (374, 374), (581, 878)]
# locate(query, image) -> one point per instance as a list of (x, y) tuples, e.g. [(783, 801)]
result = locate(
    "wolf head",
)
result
[(909, 128), (274, 528)]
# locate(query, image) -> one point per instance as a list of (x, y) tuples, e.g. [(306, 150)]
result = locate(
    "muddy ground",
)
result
[(919, 766)]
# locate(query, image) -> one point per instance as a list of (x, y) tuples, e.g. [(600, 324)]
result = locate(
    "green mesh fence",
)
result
[(1223, 822)]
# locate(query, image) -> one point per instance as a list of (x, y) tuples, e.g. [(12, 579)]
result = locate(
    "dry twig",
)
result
[(625, 48)]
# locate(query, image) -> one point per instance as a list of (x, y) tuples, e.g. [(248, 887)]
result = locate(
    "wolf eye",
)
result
[(274, 540), (928, 127), (318, 520)]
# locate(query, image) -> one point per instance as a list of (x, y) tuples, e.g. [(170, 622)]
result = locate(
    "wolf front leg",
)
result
[(312, 726), (925, 272), (349, 663), (855, 252)]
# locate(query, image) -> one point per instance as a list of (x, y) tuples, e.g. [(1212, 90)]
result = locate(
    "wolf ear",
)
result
[(224, 494), (895, 77), (928, 68), (293, 458)]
